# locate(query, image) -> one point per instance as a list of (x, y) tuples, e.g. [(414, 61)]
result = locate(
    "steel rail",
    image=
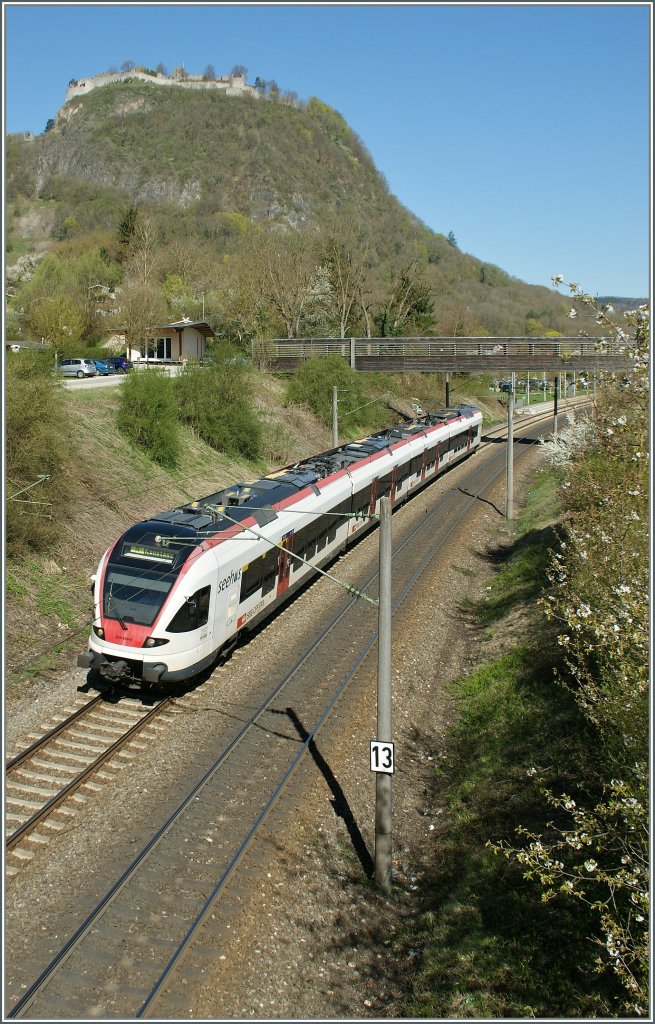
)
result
[(28, 826), (52, 734)]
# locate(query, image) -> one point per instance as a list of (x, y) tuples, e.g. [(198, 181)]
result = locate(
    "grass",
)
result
[(490, 946)]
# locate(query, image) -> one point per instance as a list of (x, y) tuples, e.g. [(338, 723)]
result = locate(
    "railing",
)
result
[(452, 354)]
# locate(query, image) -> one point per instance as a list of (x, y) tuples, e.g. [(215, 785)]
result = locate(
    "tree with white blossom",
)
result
[(596, 849)]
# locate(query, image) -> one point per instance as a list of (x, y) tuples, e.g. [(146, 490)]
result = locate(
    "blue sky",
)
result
[(522, 128)]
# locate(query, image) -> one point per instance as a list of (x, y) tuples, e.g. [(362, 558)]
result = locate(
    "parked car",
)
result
[(77, 368), (103, 368), (120, 363)]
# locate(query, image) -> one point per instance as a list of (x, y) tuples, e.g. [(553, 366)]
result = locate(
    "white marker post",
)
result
[(382, 761)]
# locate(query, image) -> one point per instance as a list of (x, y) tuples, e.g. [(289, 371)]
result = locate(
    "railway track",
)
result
[(120, 960), (47, 783)]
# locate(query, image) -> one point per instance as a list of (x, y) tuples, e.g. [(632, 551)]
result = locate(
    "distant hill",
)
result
[(620, 303), (205, 165)]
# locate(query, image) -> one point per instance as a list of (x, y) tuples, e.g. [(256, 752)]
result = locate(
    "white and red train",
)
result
[(176, 590)]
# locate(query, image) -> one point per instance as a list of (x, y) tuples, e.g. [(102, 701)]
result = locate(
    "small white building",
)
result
[(174, 343)]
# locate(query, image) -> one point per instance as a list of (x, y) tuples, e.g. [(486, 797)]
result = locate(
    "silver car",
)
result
[(77, 368)]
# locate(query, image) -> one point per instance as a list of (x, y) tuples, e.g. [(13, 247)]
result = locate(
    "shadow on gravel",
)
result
[(339, 803), (485, 501)]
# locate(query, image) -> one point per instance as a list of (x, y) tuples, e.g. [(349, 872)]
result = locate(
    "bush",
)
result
[(37, 433), (312, 385), (148, 415), (215, 402)]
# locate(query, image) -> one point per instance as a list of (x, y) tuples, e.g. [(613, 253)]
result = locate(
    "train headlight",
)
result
[(99, 631), (153, 641)]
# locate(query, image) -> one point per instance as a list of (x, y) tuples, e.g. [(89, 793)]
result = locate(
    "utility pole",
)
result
[(555, 397), (335, 418), (447, 390), (382, 749), (509, 500)]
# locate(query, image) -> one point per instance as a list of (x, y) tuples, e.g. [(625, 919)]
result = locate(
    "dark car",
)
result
[(120, 363), (103, 367)]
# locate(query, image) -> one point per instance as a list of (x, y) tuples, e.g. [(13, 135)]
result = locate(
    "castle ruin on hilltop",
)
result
[(231, 85)]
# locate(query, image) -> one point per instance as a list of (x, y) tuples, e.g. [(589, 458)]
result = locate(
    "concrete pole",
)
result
[(510, 451), (335, 420), (383, 780)]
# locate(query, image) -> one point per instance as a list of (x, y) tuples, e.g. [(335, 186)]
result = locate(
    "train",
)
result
[(178, 590)]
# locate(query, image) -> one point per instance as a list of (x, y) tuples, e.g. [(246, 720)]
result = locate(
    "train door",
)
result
[(394, 481), (469, 438), (424, 465), (284, 563), (374, 496)]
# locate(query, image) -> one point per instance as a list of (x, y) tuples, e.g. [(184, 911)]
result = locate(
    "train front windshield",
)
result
[(134, 596)]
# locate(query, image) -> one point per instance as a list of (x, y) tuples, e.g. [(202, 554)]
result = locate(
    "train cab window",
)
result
[(193, 614)]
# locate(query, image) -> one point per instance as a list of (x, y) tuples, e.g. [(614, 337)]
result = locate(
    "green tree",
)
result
[(127, 225), (57, 320)]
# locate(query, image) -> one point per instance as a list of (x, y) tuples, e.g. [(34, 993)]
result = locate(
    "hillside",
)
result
[(213, 172)]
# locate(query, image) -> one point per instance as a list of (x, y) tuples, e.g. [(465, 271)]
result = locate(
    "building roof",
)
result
[(200, 325)]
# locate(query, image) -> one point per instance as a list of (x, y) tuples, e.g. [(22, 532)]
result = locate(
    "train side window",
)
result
[(193, 614), (251, 579), (416, 465), (335, 520), (301, 539), (269, 570)]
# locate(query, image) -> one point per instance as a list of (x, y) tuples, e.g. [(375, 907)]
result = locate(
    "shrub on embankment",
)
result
[(37, 429)]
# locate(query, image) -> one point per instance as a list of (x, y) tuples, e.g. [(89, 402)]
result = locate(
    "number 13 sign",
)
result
[(382, 757)]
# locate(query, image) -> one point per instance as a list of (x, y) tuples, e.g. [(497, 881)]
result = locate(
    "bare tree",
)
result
[(128, 65), (287, 277), (239, 71), (209, 74), (143, 252), (407, 300), (142, 308), (345, 256)]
